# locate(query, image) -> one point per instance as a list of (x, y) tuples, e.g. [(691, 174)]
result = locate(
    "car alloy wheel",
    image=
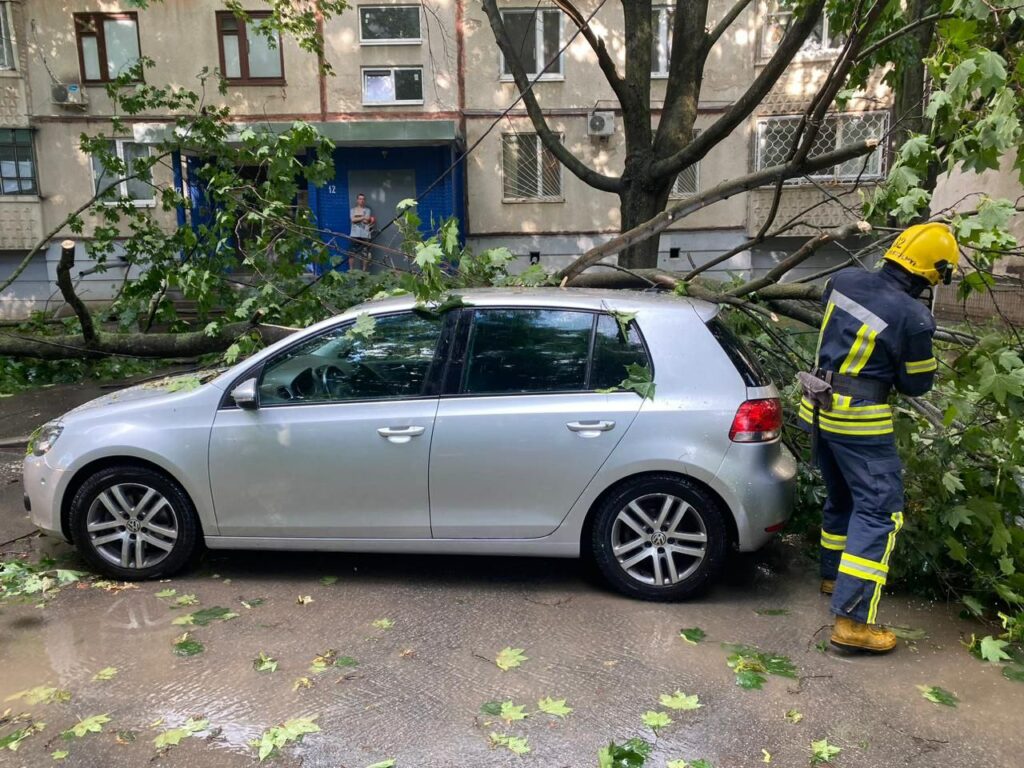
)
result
[(132, 525), (659, 539)]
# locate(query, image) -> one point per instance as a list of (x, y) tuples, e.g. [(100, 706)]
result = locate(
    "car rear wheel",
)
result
[(134, 523), (660, 537)]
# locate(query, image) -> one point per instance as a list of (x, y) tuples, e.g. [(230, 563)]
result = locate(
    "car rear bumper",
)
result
[(42, 485), (759, 482)]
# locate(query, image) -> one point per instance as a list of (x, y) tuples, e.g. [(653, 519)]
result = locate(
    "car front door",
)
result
[(339, 444), (522, 428)]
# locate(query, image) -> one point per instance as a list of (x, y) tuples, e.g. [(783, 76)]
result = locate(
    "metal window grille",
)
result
[(529, 170), (6, 46), (775, 137), (688, 180)]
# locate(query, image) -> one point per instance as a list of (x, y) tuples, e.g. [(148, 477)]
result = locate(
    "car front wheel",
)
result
[(134, 523), (660, 537)]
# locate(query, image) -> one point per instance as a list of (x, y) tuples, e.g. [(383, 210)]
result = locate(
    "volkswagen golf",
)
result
[(503, 426)]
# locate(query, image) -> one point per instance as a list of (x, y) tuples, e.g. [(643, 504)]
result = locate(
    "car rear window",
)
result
[(741, 356)]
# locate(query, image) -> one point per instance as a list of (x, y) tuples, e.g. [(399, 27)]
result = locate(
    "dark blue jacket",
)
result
[(873, 328)]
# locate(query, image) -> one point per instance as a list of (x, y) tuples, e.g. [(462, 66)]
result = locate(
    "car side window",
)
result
[(517, 351), (392, 360), (613, 351)]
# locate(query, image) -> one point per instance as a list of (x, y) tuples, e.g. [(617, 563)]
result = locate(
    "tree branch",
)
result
[(721, 192), (726, 22), (874, 47), (551, 140), (67, 290)]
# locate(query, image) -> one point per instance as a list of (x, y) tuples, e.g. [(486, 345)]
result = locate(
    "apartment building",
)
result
[(415, 83)]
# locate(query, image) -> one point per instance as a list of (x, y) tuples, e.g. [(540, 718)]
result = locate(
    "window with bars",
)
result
[(821, 42), (17, 162), (138, 190), (775, 140), (6, 41), (108, 45), (537, 36), (688, 179), (529, 170), (661, 40)]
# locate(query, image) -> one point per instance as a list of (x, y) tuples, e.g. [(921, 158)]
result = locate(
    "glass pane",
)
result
[(527, 350), (28, 186), (378, 85), (390, 23), (91, 58), (854, 128), (519, 165), (774, 31), (122, 42), (103, 177), (8, 162), (552, 42), (408, 85), (816, 40), (10, 186), (232, 59), (522, 31), (393, 362), (551, 174), (138, 189), (228, 22), (613, 352), (6, 50), (264, 60)]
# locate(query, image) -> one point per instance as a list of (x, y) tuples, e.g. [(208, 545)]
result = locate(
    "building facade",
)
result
[(415, 83)]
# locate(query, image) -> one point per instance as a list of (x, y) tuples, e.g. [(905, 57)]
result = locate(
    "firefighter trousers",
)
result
[(860, 520)]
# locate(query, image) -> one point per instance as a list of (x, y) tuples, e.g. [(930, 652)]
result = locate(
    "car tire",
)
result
[(632, 551), (143, 506)]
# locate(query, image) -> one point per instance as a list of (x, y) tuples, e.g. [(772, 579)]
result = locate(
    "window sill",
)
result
[(136, 203), (9, 72), (22, 198), (393, 103), (256, 81), (530, 200), (659, 75), (400, 41), (105, 83), (541, 79)]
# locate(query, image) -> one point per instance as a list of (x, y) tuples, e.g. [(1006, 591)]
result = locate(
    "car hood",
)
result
[(159, 389)]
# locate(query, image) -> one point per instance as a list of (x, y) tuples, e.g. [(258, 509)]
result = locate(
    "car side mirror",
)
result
[(244, 395)]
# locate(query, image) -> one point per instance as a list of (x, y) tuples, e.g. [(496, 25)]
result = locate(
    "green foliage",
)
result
[(517, 745), (938, 695), (184, 645), (276, 738), (631, 754), (510, 658), (752, 666), (85, 726), (204, 616), (823, 752), (14, 739), (174, 736), (556, 707), (18, 374), (679, 700), (692, 635), (264, 663), (21, 581), (656, 720)]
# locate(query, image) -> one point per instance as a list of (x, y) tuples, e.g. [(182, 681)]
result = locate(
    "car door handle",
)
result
[(590, 428), (400, 434)]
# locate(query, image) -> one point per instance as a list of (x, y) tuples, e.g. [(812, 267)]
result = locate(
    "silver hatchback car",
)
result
[(495, 428)]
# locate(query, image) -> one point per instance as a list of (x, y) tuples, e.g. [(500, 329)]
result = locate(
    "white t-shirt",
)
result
[(360, 229)]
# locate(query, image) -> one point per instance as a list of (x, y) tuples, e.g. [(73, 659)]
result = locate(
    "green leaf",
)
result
[(823, 752), (264, 663), (692, 635), (186, 646), (274, 739), (951, 482), (992, 68), (955, 516), (556, 707), (772, 612), (514, 744), (184, 600), (59, 754), (973, 605), (1014, 672), (631, 754), (907, 633), (383, 764), (655, 720), (363, 328), (328, 580), (679, 700), (749, 679), (511, 712), (383, 623), (204, 616), (41, 694), (174, 736), (345, 661), (92, 724), (793, 716), (107, 673), (492, 708), (510, 658), (166, 592), (992, 649), (938, 695)]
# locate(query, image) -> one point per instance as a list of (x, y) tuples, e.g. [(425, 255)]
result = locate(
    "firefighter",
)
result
[(876, 334)]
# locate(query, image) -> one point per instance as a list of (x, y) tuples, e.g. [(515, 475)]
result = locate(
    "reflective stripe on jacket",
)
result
[(874, 328)]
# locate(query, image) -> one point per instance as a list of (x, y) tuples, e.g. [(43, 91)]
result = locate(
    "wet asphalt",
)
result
[(415, 694)]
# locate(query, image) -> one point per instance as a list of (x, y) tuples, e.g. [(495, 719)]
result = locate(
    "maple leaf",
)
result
[(264, 663), (938, 695), (655, 720), (680, 700), (692, 635), (302, 682), (822, 751), (166, 593), (510, 712), (793, 716), (107, 673), (93, 724), (992, 649), (517, 745), (383, 623), (41, 694), (59, 754), (556, 707), (510, 658)]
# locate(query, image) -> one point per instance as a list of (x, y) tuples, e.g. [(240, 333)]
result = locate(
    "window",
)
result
[(6, 41), (137, 189), (529, 170), (661, 40), (246, 54), (613, 351), (17, 163), (108, 45), (537, 36), (389, 24), (775, 139), (391, 362), (393, 85), (688, 179), (821, 41)]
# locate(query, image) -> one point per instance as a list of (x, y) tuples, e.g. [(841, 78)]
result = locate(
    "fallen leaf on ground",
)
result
[(510, 658), (184, 600), (680, 700), (823, 752), (184, 645), (511, 712), (991, 649), (253, 602), (166, 593), (304, 600), (92, 724), (655, 720), (204, 616), (59, 754), (556, 707), (274, 739), (41, 694), (113, 586), (328, 580), (693, 635), (407, 653), (302, 682), (793, 716), (383, 623), (107, 673), (938, 695), (264, 663), (517, 745), (767, 756), (908, 633), (174, 736)]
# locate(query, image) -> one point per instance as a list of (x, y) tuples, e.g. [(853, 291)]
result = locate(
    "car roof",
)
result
[(575, 298)]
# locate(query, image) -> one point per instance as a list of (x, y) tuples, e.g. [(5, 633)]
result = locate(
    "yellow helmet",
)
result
[(927, 250)]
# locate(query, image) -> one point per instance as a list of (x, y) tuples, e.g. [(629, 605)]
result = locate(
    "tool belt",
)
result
[(819, 385)]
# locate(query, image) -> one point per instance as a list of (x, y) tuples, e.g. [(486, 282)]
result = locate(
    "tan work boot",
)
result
[(851, 635), (828, 586)]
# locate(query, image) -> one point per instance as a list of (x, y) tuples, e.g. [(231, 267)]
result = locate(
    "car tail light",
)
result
[(757, 421)]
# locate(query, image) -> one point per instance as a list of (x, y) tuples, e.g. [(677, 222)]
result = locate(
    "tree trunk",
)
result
[(639, 203)]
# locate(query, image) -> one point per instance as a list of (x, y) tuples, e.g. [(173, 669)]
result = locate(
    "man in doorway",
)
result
[(362, 232)]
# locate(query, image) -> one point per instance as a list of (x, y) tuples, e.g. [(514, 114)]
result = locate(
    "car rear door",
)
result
[(339, 445), (521, 429)]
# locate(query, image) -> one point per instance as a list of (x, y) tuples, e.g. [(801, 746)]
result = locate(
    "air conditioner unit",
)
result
[(68, 95), (601, 124)]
